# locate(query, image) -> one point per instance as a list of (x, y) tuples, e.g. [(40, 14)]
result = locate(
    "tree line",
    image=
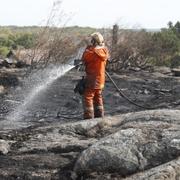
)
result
[(129, 48), (146, 48), (12, 40)]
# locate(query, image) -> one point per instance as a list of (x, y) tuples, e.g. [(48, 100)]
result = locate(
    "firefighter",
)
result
[(94, 58)]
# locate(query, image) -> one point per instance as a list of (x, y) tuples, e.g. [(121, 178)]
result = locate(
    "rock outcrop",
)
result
[(143, 140), (140, 145)]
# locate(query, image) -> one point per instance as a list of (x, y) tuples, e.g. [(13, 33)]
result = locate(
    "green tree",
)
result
[(25, 40), (170, 24), (177, 28), (166, 45), (3, 51)]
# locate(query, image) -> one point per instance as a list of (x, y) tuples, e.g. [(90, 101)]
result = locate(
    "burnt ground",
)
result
[(59, 104), (152, 90)]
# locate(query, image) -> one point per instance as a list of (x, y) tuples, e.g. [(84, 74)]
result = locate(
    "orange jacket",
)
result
[(95, 59)]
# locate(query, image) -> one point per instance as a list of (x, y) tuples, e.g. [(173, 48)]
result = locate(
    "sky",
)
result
[(151, 14)]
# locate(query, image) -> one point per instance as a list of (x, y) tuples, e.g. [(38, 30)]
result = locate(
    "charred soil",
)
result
[(129, 143)]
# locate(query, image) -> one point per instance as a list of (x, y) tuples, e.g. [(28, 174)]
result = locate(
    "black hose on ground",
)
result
[(123, 95)]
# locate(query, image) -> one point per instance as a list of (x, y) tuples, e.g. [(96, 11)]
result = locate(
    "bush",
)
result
[(4, 51), (13, 40), (143, 49), (133, 49), (165, 45), (175, 61), (25, 40)]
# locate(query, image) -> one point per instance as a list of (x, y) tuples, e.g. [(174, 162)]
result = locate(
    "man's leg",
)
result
[(98, 104), (88, 104)]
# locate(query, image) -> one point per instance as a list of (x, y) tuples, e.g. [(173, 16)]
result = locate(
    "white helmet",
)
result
[(98, 38)]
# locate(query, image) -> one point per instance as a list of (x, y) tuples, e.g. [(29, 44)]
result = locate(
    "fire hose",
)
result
[(123, 95)]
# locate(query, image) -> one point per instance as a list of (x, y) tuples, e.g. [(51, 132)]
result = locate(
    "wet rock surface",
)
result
[(52, 142)]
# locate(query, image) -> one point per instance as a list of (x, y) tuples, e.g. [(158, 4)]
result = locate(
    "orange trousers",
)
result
[(93, 103)]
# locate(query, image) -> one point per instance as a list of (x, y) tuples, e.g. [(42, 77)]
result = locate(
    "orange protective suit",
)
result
[(94, 59)]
